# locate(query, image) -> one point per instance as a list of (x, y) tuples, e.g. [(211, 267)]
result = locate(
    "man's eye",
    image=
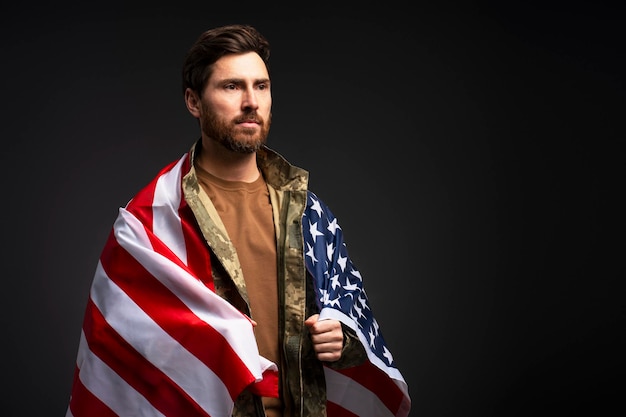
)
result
[(230, 87)]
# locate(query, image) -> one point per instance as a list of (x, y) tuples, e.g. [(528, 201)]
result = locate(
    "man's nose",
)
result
[(249, 99)]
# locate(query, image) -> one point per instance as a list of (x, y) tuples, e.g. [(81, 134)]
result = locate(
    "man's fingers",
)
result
[(312, 320)]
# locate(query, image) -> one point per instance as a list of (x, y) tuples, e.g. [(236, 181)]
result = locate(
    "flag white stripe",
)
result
[(166, 220), (352, 396)]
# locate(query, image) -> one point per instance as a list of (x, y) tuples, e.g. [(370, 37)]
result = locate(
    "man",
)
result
[(225, 287)]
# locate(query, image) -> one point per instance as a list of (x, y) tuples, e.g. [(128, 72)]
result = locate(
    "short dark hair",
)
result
[(214, 44)]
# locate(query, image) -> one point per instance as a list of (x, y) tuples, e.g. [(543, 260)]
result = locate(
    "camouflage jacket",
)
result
[(303, 385)]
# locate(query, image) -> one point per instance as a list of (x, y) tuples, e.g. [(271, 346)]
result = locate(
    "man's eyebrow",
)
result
[(241, 80), (261, 81)]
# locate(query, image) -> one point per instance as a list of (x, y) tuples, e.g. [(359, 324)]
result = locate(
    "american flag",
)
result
[(376, 388), (158, 341)]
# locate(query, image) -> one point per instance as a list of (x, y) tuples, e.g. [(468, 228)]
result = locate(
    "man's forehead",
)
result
[(248, 65)]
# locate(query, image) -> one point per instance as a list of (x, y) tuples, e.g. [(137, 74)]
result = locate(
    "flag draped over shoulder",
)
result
[(156, 340), (375, 388)]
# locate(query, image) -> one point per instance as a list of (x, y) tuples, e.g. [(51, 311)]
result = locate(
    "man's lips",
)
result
[(249, 122)]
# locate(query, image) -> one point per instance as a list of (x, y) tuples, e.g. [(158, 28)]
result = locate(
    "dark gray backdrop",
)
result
[(470, 154)]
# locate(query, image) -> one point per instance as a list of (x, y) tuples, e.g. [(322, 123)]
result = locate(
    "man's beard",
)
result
[(240, 141)]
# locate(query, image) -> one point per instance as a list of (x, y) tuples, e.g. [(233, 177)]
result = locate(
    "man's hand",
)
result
[(327, 337)]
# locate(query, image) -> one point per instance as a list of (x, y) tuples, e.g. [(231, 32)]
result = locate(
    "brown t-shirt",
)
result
[(246, 212)]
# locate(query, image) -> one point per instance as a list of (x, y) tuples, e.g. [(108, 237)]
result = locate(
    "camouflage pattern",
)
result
[(303, 385)]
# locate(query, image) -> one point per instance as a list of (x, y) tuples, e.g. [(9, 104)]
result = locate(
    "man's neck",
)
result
[(226, 164)]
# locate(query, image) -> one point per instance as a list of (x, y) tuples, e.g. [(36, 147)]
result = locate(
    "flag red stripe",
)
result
[(335, 410), (378, 382), (198, 337), (131, 366), (268, 386)]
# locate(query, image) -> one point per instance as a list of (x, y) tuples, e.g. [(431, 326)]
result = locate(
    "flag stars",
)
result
[(334, 302), (333, 226), (330, 249), (372, 339), (316, 206), (341, 281), (387, 355), (356, 320), (350, 287), (362, 301), (358, 310), (334, 281), (311, 254), (322, 292), (342, 262), (314, 232)]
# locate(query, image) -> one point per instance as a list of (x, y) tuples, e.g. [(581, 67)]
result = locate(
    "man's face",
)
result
[(236, 103)]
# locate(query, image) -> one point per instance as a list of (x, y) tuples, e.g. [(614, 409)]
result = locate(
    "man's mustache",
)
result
[(250, 117)]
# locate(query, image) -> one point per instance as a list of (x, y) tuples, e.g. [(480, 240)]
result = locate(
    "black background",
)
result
[(471, 154)]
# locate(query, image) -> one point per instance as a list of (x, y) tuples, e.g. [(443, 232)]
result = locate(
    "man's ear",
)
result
[(193, 102)]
